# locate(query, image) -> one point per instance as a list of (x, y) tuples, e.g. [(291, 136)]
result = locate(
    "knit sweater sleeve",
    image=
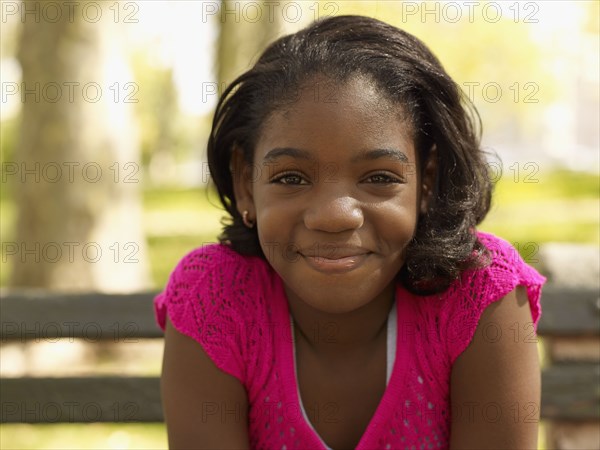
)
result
[(200, 301), (480, 288)]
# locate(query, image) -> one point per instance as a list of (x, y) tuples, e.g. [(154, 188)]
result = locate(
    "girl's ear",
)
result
[(241, 174), (428, 179)]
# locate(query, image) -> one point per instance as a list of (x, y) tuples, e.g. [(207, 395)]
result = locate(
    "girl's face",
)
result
[(336, 193)]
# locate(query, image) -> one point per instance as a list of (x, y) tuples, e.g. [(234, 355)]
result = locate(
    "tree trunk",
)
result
[(245, 30), (77, 159)]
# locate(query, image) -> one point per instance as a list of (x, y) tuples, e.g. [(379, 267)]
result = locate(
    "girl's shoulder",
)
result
[(506, 267), (217, 266), (210, 294), (212, 256), (464, 302)]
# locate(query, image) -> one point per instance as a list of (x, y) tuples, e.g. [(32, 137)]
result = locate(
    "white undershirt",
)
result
[(390, 358)]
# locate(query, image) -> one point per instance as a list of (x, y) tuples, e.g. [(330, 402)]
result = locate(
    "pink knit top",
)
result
[(235, 307)]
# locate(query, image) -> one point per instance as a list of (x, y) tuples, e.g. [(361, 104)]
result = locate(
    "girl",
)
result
[(350, 301)]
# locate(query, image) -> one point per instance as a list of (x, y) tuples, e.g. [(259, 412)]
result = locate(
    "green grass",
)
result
[(557, 206), (176, 199), (178, 221), (546, 186), (83, 436), (558, 220)]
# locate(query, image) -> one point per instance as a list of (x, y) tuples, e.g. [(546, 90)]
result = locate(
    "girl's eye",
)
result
[(288, 178), (382, 178)]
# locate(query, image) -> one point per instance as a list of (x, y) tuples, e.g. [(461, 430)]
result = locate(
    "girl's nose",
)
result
[(333, 213)]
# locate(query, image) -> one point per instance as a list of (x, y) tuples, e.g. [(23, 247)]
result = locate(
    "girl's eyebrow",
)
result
[(377, 153), (368, 155), (278, 152)]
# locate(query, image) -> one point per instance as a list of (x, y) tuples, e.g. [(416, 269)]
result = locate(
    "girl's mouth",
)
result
[(338, 265)]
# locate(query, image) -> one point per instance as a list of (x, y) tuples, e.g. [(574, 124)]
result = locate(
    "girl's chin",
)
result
[(336, 303)]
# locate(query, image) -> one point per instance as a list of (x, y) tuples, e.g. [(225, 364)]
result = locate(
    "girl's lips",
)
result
[(340, 265)]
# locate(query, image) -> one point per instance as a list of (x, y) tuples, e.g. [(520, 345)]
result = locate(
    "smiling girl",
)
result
[(350, 301)]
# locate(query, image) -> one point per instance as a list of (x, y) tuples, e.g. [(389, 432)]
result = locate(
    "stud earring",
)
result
[(248, 223)]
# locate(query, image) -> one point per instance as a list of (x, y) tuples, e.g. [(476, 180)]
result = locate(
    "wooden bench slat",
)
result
[(571, 392), (569, 312), (31, 315), (73, 400), (38, 315)]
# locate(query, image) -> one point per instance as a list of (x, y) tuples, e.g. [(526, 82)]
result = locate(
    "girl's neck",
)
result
[(339, 336)]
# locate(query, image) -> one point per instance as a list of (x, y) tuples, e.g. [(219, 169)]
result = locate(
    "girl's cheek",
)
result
[(275, 217)]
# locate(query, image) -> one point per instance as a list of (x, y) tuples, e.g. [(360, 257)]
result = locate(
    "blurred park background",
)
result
[(106, 108)]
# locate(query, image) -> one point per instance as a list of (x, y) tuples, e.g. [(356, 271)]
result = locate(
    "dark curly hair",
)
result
[(445, 242)]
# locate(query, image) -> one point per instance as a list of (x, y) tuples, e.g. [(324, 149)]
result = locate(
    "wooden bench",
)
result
[(570, 389)]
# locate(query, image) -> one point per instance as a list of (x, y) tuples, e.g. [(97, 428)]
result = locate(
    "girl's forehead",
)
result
[(356, 92), (354, 114)]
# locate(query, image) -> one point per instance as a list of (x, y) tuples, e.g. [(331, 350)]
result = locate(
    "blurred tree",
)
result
[(592, 24), (159, 114), (77, 181), (244, 32)]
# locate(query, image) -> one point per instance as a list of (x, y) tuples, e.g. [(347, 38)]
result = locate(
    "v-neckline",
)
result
[(291, 385), (390, 341)]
